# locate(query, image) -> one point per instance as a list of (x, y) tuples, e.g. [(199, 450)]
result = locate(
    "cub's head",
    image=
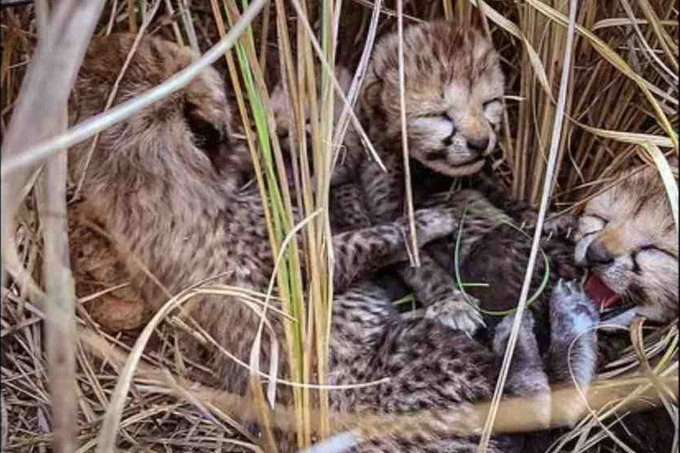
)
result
[(183, 136), (627, 236), (453, 92), (284, 120)]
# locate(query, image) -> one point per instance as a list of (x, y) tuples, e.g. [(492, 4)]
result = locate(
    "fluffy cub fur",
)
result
[(628, 237), (453, 88), (163, 186)]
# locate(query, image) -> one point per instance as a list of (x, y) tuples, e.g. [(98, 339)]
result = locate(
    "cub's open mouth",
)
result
[(608, 301)]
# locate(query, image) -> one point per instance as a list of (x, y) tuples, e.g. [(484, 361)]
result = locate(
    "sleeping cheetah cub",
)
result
[(628, 239), (453, 89)]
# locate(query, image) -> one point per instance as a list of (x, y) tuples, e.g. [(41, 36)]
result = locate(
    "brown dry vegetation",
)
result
[(620, 111)]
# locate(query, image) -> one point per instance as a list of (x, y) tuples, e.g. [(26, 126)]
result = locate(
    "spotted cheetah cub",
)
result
[(453, 88), (627, 237)]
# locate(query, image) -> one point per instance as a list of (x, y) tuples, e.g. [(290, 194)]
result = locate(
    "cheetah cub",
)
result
[(627, 237), (453, 89), (453, 93)]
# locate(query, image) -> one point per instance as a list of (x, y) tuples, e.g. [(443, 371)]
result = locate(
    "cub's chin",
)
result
[(444, 167)]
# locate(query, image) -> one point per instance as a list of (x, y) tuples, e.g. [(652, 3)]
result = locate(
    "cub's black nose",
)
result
[(597, 254), (478, 145)]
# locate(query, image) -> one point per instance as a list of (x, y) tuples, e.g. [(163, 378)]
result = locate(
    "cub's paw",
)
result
[(526, 340), (457, 311), (572, 312), (432, 223), (560, 226), (573, 340), (526, 377), (117, 314)]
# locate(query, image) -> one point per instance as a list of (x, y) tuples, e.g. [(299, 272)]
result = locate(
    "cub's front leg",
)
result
[(437, 290), (98, 267), (366, 250), (573, 338), (433, 286)]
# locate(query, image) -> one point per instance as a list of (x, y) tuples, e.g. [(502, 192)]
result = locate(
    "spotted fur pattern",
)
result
[(432, 367), (453, 89), (491, 250), (164, 187)]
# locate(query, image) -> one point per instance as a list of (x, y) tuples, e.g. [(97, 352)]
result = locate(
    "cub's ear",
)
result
[(281, 107), (210, 138), (369, 100)]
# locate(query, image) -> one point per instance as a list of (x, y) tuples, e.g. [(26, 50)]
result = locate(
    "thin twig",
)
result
[(60, 323)]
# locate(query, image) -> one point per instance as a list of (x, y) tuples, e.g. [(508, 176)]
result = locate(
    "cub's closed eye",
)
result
[(591, 224), (436, 116), (492, 101), (653, 248), (595, 216)]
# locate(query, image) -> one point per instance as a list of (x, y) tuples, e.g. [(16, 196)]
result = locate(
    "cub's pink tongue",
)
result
[(600, 293)]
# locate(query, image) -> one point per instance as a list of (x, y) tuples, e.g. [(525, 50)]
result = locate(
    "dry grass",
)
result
[(619, 109)]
